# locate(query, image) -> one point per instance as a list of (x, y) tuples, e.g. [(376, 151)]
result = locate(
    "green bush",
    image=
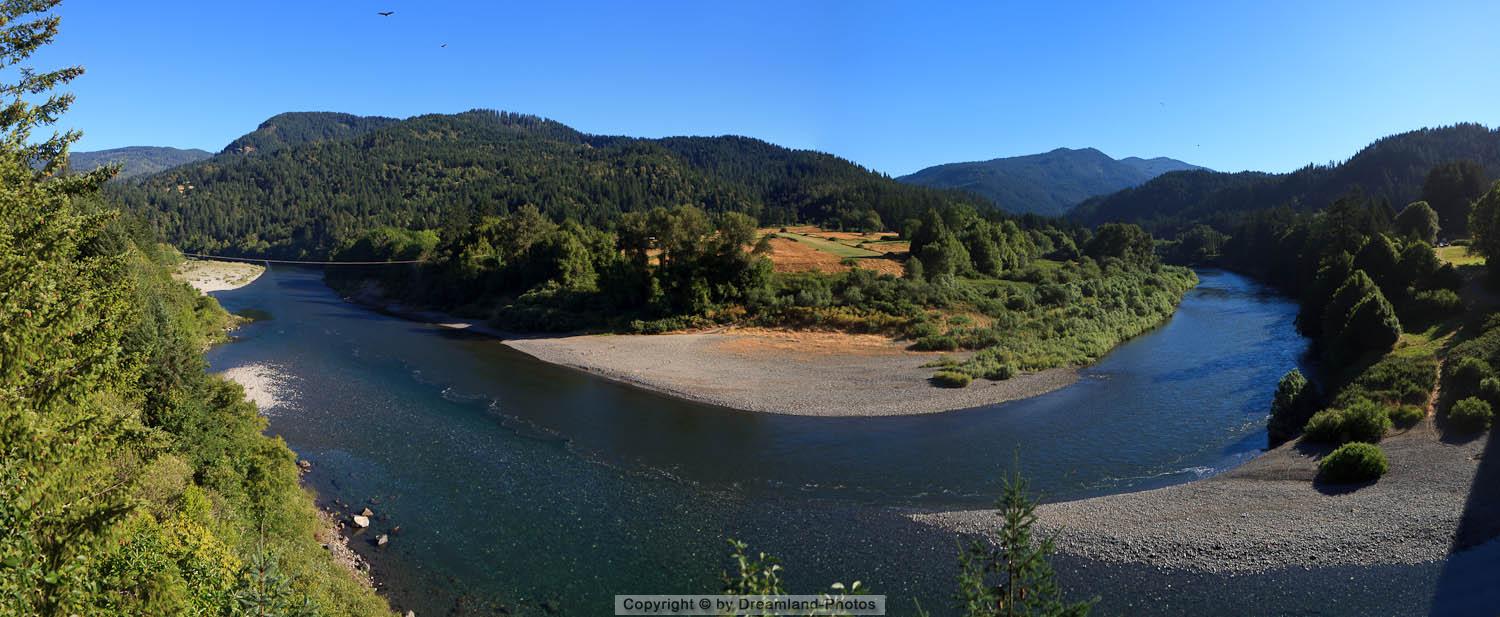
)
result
[(1466, 376), (1366, 421), (936, 342), (1407, 415), (1353, 462), (1325, 426), (1431, 306), (1295, 400), (951, 379), (1489, 390), (1471, 415), (1362, 420), (1000, 372)]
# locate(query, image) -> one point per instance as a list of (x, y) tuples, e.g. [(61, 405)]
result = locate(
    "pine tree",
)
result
[(63, 300), (1010, 575)]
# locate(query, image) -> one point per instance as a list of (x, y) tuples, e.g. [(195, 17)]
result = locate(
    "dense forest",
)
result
[(1049, 183), (132, 482), (309, 183), (1395, 170)]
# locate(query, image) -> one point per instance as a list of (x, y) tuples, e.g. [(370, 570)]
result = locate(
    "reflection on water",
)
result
[(517, 483)]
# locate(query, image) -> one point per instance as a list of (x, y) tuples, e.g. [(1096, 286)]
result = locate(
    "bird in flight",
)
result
[(386, 13), (443, 45)]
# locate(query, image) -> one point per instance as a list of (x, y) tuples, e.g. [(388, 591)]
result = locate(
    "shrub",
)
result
[(1362, 420), (1365, 421), (1325, 426), (1407, 415), (1432, 305), (936, 342), (1471, 415), (1466, 376), (1000, 372), (951, 379), (1353, 462), (1489, 390), (1289, 410)]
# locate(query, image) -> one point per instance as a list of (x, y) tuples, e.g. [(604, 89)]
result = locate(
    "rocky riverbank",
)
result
[(1270, 513), (794, 372), (787, 372)]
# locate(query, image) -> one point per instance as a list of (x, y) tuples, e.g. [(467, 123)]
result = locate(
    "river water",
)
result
[(529, 488)]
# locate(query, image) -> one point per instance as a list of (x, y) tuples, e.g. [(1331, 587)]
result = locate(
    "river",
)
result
[(527, 487)]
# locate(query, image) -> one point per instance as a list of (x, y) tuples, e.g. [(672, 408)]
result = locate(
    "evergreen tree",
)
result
[(1450, 188), (1122, 241), (1484, 224), (1379, 258), (1010, 575), (1295, 401), (62, 312), (1418, 221)]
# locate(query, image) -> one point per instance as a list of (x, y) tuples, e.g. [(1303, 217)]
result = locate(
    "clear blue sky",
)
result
[(896, 87)]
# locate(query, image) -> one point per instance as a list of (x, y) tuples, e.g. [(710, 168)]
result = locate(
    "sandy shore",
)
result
[(1269, 513), (788, 372), (264, 385), (207, 275)]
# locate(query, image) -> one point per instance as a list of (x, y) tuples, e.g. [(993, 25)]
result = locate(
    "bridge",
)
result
[(300, 262)]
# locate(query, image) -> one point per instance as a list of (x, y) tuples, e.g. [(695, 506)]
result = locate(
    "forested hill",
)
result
[(305, 185), (1393, 169), (135, 160), (1048, 183), (297, 128)]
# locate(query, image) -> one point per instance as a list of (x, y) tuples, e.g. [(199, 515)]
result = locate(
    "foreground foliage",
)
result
[(131, 481), (1010, 574), (1006, 575)]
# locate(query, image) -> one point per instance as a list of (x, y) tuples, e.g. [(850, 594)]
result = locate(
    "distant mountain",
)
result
[(135, 160), (1391, 169), (1047, 183), (300, 127)]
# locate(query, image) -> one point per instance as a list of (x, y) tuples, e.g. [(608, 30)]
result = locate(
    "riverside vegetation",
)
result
[(534, 226), (131, 481), (1387, 315)]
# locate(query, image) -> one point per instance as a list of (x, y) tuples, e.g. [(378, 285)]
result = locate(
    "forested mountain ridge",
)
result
[(135, 160), (1393, 169), (448, 170), (296, 128), (1049, 183)]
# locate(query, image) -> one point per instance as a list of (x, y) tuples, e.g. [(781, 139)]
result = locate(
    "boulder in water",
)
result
[(361, 521)]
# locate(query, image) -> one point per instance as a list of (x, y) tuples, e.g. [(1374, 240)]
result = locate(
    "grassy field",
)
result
[(1459, 256), (830, 246)]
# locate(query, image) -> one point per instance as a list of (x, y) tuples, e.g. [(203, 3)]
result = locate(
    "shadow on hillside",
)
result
[(1467, 583)]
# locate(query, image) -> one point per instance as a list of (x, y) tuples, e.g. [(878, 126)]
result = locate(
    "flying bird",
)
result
[(443, 45), (386, 13)]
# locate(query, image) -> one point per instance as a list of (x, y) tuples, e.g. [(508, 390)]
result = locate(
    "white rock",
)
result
[(361, 521)]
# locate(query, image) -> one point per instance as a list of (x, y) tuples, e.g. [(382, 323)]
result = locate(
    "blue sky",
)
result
[(893, 86)]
